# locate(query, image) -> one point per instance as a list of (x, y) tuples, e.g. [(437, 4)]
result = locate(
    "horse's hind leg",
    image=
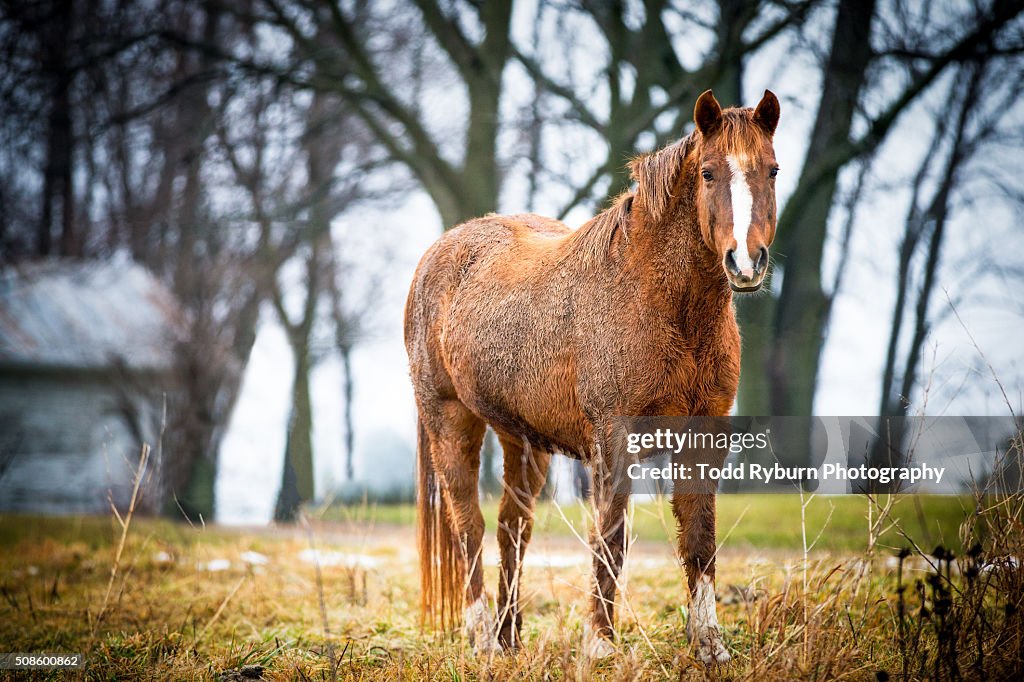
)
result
[(525, 472), (456, 436)]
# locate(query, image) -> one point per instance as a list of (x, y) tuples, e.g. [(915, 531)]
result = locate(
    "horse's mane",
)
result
[(594, 238), (657, 176)]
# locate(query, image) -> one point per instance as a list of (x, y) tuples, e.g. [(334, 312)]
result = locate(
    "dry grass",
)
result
[(204, 603)]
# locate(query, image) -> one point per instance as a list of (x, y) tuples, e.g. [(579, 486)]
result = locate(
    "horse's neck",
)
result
[(682, 276)]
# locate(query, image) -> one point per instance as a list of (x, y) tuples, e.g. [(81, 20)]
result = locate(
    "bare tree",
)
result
[(339, 57), (981, 105), (133, 177), (647, 88), (353, 314), (792, 354), (57, 55), (297, 485), (293, 196)]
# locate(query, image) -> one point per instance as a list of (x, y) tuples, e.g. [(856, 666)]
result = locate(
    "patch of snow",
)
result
[(330, 558), (214, 565), (253, 558)]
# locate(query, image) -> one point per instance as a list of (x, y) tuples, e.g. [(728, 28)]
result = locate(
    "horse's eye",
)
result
[(774, 172), (707, 175)]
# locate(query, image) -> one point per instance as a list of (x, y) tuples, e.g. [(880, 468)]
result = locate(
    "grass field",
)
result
[(744, 521), (337, 598)]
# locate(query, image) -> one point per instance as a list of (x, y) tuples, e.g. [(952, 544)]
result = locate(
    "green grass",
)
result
[(768, 522)]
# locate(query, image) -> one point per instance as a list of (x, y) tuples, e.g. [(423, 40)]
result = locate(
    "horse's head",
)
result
[(736, 190)]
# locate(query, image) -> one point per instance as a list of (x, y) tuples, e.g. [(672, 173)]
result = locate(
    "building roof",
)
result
[(86, 316)]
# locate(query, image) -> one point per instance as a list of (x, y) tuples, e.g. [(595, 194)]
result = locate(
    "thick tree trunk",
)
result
[(754, 316), (297, 475), (198, 420), (581, 479), (212, 371), (733, 18), (480, 175), (58, 186), (795, 350)]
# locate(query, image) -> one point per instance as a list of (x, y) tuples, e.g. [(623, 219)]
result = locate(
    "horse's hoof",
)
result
[(480, 628), (710, 647), (509, 640), (595, 646), (714, 652), (599, 647), (485, 646)]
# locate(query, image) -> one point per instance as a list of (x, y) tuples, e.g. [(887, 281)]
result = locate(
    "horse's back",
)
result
[(491, 289), (451, 259)]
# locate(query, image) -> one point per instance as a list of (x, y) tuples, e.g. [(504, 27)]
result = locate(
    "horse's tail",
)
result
[(440, 580)]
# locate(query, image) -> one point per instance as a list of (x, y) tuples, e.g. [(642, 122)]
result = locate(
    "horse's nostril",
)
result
[(730, 262), (762, 260)]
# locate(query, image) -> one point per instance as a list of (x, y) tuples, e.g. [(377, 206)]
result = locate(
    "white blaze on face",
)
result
[(742, 206), (703, 605)]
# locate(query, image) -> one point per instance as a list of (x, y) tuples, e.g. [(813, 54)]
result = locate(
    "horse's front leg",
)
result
[(608, 544), (695, 514)]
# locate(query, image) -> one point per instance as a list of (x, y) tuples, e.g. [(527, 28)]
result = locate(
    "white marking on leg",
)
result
[(704, 603), (594, 646), (479, 625), (742, 209), (702, 626)]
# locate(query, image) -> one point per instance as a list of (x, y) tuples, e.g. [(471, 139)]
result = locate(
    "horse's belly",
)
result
[(511, 370), (540, 406)]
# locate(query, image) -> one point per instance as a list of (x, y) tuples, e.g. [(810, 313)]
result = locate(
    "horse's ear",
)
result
[(766, 114), (707, 114)]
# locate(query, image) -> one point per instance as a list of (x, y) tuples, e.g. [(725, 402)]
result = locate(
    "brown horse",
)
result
[(546, 334)]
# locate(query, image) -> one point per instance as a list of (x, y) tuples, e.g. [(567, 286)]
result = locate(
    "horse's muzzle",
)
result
[(745, 290), (746, 280)]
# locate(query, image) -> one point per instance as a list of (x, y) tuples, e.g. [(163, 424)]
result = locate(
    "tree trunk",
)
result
[(795, 350), (733, 18), (580, 479), (348, 381), (297, 474), (754, 316), (286, 510), (213, 378), (58, 187), (489, 484), (297, 477), (198, 501)]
